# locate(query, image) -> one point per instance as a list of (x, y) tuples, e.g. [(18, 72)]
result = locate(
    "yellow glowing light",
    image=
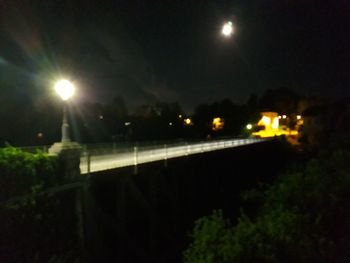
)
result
[(217, 124), (266, 120), (249, 126), (273, 133), (270, 121), (188, 121), (180, 116), (65, 89), (298, 117), (275, 123), (227, 29)]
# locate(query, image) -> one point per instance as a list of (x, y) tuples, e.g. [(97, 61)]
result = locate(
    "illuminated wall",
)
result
[(271, 128)]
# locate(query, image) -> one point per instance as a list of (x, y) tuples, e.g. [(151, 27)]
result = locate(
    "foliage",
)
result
[(33, 227), (303, 218), (282, 100), (235, 117), (40, 230), (23, 173), (212, 236)]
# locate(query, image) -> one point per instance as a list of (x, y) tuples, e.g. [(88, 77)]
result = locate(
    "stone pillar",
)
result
[(69, 160), (69, 157)]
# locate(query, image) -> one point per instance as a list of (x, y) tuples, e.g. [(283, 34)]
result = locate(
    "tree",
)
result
[(235, 117), (303, 218), (281, 100)]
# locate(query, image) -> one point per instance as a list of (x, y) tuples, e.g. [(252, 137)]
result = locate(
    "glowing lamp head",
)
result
[(249, 126), (65, 89), (227, 29)]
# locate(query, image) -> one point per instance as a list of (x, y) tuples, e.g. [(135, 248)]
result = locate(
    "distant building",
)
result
[(269, 125)]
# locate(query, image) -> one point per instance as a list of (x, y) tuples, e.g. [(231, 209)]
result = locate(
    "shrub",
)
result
[(36, 225), (303, 218), (22, 173)]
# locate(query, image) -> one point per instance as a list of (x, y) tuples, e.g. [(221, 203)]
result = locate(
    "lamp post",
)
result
[(65, 89), (67, 151)]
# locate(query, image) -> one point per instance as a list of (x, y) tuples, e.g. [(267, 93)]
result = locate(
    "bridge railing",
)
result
[(104, 156), (124, 147), (109, 156)]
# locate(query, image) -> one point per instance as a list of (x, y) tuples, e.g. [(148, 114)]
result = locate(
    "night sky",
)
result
[(172, 50)]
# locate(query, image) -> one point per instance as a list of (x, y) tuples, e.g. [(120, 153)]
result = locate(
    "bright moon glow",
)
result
[(227, 29), (65, 89)]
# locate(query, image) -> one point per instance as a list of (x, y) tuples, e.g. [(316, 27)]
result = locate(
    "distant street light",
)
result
[(227, 29), (188, 121), (65, 89)]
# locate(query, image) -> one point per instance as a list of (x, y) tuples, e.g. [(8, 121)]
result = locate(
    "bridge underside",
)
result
[(146, 217)]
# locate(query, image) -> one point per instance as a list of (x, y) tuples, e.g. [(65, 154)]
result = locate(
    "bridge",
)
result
[(97, 158), (160, 202), (107, 156)]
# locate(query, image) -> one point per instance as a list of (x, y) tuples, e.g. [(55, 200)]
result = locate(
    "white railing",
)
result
[(105, 157)]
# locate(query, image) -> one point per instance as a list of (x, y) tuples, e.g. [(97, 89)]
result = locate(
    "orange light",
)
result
[(217, 124)]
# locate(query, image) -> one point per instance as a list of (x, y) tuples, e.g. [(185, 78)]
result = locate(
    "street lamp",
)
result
[(68, 152), (65, 89), (227, 29)]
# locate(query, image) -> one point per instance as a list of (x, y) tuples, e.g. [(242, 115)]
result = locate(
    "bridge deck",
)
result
[(111, 159)]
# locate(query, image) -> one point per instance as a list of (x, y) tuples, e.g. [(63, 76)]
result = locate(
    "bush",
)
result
[(303, 218), (22, 173), (36, 225), (212, 237)]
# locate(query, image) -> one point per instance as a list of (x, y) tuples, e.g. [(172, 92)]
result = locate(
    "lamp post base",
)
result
[(69, 157), (59, 147)]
